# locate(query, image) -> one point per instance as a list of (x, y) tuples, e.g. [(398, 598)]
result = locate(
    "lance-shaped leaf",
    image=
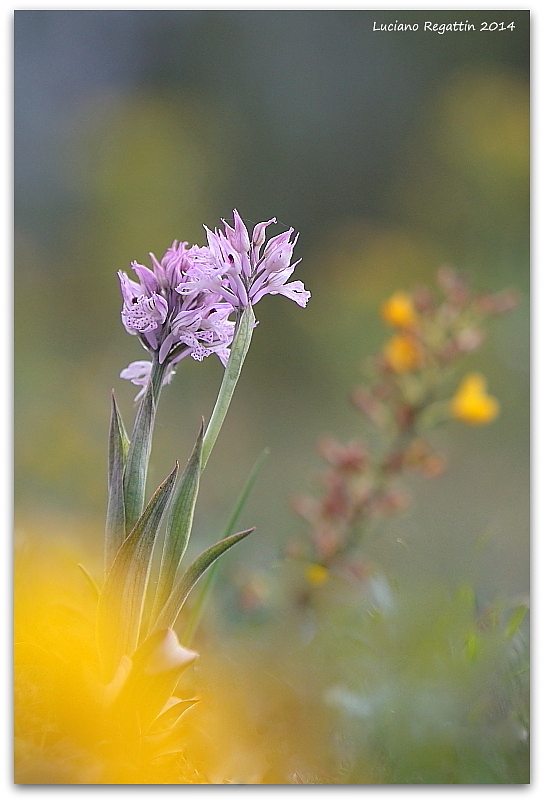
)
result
[(176, 600), (121, 602), (140, 448), (138, 459), (178, 525), (238, 351), (115, 516)]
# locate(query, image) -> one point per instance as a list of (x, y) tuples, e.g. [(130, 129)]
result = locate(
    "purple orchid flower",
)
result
[(232, 265), (169, 324), (184, 303)]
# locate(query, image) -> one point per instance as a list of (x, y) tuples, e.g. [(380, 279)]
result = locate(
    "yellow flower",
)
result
[(398, 311), (471, 403), (402, 353), (316, 574)]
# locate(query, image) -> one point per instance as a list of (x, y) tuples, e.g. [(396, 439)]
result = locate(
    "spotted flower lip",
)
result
[(143, 314), (171, 324), (188, 301)]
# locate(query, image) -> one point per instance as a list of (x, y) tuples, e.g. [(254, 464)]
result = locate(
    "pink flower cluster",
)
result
[(187, 302)]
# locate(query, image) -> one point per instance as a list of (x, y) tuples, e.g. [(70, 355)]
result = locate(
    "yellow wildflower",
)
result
[(471, 403), (316, 574), (399, 311), (402, 353)]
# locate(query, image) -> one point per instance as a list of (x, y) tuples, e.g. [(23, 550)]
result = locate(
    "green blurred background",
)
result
[(390, 153)]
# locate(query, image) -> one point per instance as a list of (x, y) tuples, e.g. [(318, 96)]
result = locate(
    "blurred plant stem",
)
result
[(198, 609)]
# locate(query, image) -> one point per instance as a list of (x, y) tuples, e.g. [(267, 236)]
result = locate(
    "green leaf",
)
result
[(176, 600), (178, 527), (121, 602), (115, 516), (140, 448), (238, 352), (516, 617), (138, 459)]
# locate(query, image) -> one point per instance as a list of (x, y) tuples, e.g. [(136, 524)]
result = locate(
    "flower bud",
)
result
[(259, 233), (239, 239)]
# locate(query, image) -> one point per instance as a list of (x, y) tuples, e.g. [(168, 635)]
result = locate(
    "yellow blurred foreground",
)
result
[(72, 727)]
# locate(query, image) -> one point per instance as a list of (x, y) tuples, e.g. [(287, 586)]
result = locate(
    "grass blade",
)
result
[(197, 610)]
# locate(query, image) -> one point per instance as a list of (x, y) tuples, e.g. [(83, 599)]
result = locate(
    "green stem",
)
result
[(239, 349), (157, 375)]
